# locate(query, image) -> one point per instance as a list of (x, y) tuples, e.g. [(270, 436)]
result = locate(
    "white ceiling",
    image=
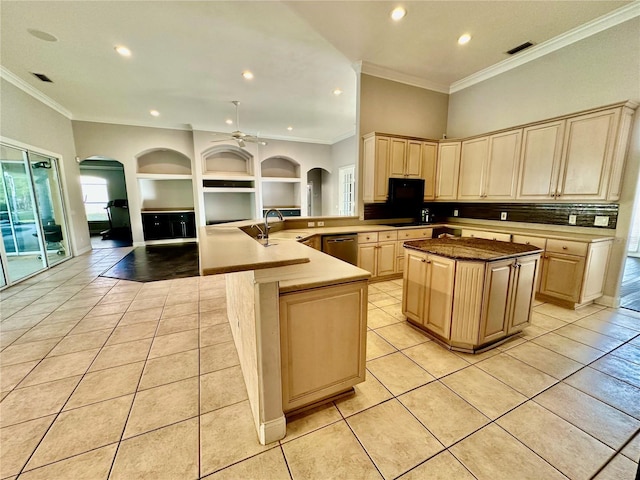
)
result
[(188, 56)]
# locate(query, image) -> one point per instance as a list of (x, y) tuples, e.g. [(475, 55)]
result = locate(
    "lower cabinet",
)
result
[(468, 304), (162, 226), (377, 253), (322, 342)]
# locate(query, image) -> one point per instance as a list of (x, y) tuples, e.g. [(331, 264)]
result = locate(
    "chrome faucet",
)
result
[(265, 235)]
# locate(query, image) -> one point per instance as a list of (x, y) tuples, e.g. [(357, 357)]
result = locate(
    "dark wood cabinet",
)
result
[(163, 226)]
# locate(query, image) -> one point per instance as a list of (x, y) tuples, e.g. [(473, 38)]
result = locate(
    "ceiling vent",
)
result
[(42, 76), (519, 48)]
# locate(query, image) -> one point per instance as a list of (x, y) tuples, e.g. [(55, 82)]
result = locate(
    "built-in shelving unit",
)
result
[(281, 183), (165, 183)]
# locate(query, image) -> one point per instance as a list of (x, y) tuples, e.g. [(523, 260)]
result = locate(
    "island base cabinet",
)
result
[(318, 331)]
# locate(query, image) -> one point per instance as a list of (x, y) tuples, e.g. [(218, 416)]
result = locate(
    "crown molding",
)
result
[(184, 127), (388, 74), (13, 79), (344, 136), (598, 25)]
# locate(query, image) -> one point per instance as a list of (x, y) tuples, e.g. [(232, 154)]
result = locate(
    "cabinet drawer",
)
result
[(390, 235), (535, 241), (503, 237), (415, 233), (370, 237), (566, 246)]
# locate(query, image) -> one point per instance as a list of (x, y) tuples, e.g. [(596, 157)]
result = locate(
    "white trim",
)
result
[(150, 124), (344, 136), (604, 22), (608, 301), (388, 74), (13, 79), (272, 430)]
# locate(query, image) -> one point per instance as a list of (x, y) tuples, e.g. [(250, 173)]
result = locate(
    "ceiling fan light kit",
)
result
[(239, 136)]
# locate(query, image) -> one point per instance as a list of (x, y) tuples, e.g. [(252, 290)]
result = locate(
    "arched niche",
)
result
[(227, 160), (280, 167), (163, 161)]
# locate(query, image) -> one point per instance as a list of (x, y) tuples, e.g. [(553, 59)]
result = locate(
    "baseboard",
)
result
[(273, 430), (84, 250), (608, 301)]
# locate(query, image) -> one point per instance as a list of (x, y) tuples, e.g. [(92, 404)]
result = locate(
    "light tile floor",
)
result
[(103, 378)]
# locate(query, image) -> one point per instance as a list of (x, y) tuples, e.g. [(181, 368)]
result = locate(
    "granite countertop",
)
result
[(467, 248)]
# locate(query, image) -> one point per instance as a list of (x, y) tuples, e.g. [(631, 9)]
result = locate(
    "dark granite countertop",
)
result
[(466, 248)]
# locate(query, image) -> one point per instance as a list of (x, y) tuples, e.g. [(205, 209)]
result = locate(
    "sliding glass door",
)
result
[(31, 213)]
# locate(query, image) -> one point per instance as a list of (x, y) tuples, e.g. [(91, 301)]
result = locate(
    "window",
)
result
[(96, 197), (346, 190)]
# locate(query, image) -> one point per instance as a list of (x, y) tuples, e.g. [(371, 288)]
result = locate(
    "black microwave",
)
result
[(406, 192)]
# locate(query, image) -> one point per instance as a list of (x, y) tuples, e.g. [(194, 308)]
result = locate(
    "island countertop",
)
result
[(467, 248)]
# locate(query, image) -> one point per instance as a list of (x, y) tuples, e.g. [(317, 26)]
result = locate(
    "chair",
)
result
[(53, 237)]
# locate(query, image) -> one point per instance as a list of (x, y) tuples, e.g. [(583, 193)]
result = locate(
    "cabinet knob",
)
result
[(564, 247), (423, 260)]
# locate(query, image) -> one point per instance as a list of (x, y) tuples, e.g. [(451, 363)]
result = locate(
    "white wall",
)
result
[(25, 120), (599, 70)]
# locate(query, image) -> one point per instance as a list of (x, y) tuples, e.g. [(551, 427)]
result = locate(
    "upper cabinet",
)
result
[(489, 167), (386, 156), (577, 158), (448, 167)]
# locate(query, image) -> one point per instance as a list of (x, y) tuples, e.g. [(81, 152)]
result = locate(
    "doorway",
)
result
[(32, 218), (105, 201), (630, 288), (317, 194)]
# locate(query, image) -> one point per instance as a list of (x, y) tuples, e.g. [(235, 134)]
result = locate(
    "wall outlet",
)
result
[(601, 221), (503, 215), (321, 224), (311, 224), (573, 219), (455, 213)]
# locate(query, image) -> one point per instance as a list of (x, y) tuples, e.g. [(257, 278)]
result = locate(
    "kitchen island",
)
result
[(298, 319), (469, 294)]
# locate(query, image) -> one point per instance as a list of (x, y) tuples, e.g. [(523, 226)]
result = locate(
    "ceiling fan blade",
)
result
[(253, 139)]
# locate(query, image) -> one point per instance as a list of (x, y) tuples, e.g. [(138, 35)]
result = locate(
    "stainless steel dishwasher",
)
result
[(344, 247)]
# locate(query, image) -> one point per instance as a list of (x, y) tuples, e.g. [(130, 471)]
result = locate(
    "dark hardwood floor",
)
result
[(630, 290), (158, 262)]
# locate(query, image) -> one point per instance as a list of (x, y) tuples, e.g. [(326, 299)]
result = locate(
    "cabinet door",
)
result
[(367, 257), (493, 324), (414, 285), (386, 261), (502, 166), (540, 161), (587, 155), (448, 167), (522, 292), (438, 300), (429, 153), (595, 270), (473, 162), (156, 226), (397, 154), (539, 242), (413, 165), (375, 183), (562, 276)]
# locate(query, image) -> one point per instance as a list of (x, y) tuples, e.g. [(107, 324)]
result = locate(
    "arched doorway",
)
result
[(105, 201), (318, 192)]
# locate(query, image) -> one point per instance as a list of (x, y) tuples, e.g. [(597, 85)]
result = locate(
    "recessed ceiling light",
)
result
[(398, 13), (337, 92), (154, 113), (289, 128), (122, 50), (464, 38), (228, 121), (247, 75), (47, 37)]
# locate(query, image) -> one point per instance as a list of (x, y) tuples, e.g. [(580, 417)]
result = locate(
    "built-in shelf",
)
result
[(227, 176), (280, 180), (228, 190), (227, 161), (164, 176), (280, 167), (164, 162)]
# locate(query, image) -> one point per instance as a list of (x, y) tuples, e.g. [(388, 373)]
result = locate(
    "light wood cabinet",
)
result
[(377, 257), (386, 156), (489, 167), (322, 342), (539, 242), (468, 304), (488, 235), (562, 276), (429, 296), (409, 234), (447, 171), (313, 242), (577, 158)]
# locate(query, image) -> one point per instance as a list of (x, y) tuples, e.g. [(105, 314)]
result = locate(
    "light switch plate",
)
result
[(573, 219), (455, 213), (321, 224), (311, 224), (503, 215), (601, 221)]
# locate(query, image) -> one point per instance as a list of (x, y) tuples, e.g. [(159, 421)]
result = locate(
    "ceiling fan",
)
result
[(238, 135)]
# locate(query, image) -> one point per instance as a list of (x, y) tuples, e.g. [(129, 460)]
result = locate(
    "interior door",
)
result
[(19, 220)]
